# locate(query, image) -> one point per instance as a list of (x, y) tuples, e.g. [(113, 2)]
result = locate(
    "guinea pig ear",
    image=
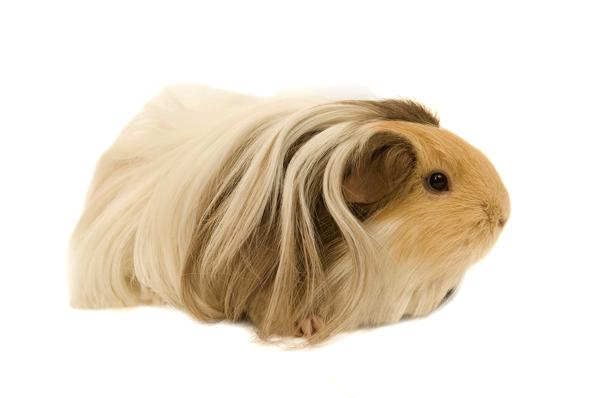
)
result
[(378, 169)]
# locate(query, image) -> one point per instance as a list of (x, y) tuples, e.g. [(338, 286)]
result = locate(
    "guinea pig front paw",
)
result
[(448, 296), (309, 326)]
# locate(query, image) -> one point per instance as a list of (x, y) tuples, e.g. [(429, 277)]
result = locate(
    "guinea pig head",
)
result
[(434, 204)]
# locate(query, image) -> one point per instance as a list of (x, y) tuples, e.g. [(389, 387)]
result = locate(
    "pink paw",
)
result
[(309, 326)]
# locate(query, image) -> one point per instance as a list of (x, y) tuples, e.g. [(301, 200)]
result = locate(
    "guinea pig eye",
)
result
[(437, 182)]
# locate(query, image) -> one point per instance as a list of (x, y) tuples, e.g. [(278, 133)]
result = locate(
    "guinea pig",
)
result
[(303, 215)]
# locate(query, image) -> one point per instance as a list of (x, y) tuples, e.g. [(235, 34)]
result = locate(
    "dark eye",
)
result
[(437, 182)]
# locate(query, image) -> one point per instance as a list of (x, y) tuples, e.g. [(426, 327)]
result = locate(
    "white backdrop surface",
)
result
[(517, 79)]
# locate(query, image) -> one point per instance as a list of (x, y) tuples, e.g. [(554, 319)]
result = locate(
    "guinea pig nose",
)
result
[(501, 222)]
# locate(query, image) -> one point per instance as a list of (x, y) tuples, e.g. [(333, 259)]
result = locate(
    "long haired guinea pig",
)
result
[(305, 216)]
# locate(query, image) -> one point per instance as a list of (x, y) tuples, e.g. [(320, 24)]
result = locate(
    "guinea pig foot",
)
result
[(309, 326), (448, 296)]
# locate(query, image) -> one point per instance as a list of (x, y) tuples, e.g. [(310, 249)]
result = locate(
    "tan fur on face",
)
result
[(433, 238), (283, 210)]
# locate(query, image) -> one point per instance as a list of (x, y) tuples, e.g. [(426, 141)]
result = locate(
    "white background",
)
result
[(518, 80)]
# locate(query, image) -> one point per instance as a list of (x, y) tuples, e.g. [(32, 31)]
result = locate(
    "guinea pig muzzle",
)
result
[(496, 215)]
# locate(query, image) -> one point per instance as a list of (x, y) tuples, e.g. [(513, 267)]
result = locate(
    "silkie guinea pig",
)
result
[(305, 216)]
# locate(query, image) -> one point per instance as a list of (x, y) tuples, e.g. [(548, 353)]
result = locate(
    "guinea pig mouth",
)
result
[(497, 222)]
